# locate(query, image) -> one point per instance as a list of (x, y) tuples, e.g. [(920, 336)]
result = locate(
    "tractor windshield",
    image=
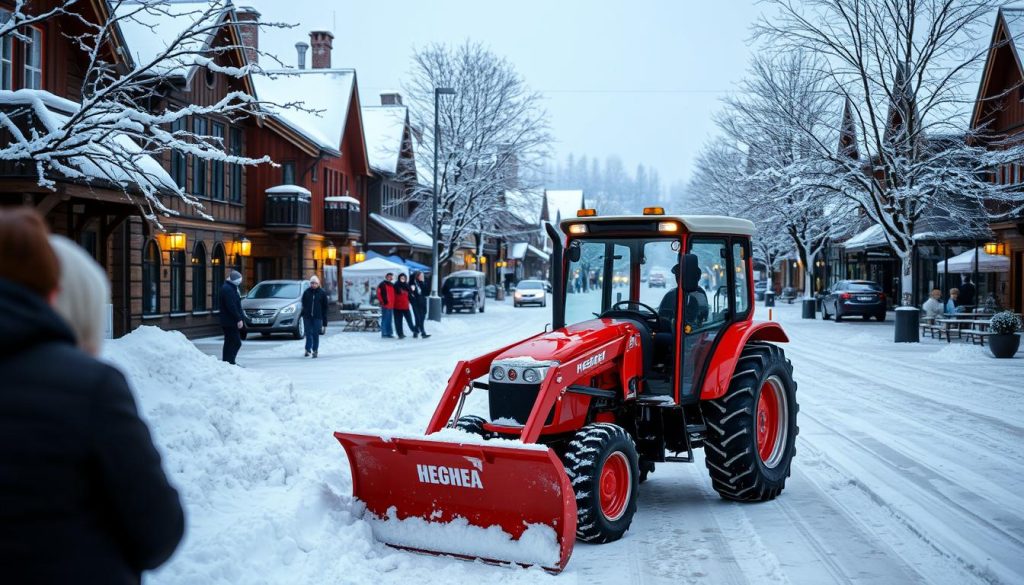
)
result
[(619, 269)]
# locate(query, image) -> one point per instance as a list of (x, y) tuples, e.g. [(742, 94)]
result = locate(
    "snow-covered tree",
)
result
[(905, 68), (118, 127), (771, 129), (490, 130)]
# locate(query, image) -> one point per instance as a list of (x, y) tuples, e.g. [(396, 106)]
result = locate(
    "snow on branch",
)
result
[(493, 130), (123, 123)]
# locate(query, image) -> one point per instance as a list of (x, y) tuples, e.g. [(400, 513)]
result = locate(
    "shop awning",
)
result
[(964, 263)]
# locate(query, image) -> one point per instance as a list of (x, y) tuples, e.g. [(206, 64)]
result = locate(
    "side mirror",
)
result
[(691, 273), (575, 251)]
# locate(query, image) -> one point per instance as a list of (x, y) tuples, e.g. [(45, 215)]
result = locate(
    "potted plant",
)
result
[(1004, 341)]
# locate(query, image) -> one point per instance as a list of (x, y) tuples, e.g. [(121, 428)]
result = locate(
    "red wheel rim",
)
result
[(771, 423), (615, 486)]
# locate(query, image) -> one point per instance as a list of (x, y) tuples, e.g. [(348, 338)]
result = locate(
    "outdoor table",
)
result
[(948, 322), (360, 320)]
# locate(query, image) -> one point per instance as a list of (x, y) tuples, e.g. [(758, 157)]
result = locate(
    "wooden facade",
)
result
[(999, 111)]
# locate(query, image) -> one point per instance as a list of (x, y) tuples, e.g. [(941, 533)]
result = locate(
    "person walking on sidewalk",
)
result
[(419, 290), (386, 298), (231, 316), (314, 313), (402, 307)]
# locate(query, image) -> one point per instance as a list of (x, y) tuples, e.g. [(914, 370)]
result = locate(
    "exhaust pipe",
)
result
[(558, 283)]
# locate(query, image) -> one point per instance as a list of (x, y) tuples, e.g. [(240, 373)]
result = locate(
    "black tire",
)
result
[(880, 316), (824, 313), (588, 453), (447, 309), (471, 424), (300, 330), (737, 469), (515, 304), (866, 317), (839, 316)]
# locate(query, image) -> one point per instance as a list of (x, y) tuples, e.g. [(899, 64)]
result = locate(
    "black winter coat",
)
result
[(314, 304), (418, 293), (230, 305), (83, 498)]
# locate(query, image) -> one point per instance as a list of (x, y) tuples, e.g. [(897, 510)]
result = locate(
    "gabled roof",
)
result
[(149, 27), (326, 95), (408, 234), (562, 204), (384, 128), (1007, 34)]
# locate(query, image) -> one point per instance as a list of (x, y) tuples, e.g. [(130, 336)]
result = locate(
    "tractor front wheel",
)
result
[(751, 438), (602, 465)]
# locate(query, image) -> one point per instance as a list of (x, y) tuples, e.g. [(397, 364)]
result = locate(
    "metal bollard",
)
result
[(907, 325)]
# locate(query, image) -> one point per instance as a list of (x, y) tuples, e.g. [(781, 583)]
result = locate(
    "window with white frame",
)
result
[(33, 52), (6, 55)]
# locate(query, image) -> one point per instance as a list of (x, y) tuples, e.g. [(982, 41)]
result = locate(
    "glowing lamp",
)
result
[(995, 248), (175, 241), (578, 228), (242, 247), (360, 256), (654, 211), (330, 251), (483, 260), (587, 212), (667, 226)]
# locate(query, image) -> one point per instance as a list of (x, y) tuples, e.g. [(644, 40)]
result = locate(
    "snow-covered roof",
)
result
[(563, 204), (54, 112), (872, 236), (525, 205), (538, 252), (342, 199), (698, 224), (325, 95), (288, 189), (410, 234), (384, 128), (150, 27)]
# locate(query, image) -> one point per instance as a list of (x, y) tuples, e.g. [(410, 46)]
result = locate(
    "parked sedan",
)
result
[(274, 306), (854, 297), (530, 292)]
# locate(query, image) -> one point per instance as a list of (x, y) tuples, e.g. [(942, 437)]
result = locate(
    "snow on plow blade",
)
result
[(475, 501)]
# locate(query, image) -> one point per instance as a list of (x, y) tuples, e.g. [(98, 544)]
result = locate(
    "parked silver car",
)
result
[(275, 306)]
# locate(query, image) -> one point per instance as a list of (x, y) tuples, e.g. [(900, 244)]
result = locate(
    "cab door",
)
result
[(706, 311)]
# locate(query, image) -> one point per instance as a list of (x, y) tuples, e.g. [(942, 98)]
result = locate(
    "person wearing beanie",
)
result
[(314, 313), (231, 316)]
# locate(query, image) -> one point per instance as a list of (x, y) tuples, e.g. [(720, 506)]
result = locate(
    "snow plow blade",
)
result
[(468, 500)]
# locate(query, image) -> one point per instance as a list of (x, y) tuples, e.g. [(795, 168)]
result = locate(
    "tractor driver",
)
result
[(696, 309)]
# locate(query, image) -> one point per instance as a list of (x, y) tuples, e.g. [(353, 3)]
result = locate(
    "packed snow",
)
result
[(908, 466)]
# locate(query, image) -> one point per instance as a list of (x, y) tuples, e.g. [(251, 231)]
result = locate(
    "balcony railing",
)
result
[(342, 221), (287, 210)]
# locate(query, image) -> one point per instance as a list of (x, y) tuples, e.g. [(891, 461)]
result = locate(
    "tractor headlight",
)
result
[(497, 373), (531, 375)]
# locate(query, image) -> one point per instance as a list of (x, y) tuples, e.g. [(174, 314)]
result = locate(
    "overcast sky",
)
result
[(637, 78)]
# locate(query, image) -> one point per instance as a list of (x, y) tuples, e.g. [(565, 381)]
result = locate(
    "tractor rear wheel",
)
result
[(601, 463), (751, 438)]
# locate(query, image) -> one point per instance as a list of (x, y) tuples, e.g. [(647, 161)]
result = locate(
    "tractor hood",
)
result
[(565, 344)]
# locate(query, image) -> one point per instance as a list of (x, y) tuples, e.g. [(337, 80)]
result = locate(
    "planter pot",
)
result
[(1004, 345)]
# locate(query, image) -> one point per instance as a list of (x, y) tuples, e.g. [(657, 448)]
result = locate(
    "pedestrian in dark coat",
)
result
[(419, 290), (967, 292), (314, 313), (402, 305), (231, 316), (386, 298), (83, 497)]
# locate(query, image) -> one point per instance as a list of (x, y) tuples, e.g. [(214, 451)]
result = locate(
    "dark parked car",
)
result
[(463, 290), (759, 288), (848, 298)]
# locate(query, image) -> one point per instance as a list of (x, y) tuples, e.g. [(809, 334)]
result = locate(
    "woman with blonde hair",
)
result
[(83, 294)]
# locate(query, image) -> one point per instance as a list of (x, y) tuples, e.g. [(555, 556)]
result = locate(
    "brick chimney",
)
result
[(301, 49), (391, 98), (249, 32), (321, 43)]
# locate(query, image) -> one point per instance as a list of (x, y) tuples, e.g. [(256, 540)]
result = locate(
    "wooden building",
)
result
[(999, 112)]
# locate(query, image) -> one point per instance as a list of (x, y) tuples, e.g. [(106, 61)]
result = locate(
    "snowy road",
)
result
[(908, 469)]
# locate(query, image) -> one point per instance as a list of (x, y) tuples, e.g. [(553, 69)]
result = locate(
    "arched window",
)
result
[(199, 277), (151, 279), (217, 275), (177, 281)]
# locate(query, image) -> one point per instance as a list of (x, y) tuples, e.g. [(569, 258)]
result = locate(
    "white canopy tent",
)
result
[(361, 279), (964, 263)]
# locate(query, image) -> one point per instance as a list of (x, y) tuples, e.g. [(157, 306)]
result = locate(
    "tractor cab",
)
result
[(705, 263)]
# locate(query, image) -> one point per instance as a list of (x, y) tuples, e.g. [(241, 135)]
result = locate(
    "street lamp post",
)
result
[(434, 308)]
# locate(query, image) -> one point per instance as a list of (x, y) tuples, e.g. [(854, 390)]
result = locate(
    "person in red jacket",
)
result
[(402, 307), (386, 298)]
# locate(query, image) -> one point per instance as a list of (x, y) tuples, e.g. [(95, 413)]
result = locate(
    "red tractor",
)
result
[(627, 378)]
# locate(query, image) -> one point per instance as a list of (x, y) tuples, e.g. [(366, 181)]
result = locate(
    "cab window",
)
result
[(739, 263)]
